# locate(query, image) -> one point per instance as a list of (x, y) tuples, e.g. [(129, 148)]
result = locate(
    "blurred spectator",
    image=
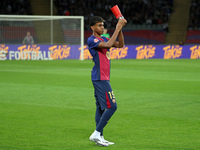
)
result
[(181, 43), (28, 39), (165, 27), (135, 11), (105, 31)]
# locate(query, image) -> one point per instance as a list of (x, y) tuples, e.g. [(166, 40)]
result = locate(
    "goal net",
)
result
[(45, 30)]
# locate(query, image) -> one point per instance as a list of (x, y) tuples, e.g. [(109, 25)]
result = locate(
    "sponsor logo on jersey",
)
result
[(96, 40), (108, 55)]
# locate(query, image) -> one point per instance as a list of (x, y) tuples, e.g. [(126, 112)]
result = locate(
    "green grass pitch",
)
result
[(49, 105)]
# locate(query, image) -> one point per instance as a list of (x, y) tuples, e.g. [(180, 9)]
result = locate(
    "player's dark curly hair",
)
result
[(95, 19)]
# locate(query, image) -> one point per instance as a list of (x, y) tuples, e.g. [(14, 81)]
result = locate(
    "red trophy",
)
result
[(116, 11)]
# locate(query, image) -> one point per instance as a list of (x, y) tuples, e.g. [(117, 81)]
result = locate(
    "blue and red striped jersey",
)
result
[(101, 58)]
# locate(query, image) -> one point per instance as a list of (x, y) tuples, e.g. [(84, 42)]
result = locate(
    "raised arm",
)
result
[(117, 33), (120, 42)]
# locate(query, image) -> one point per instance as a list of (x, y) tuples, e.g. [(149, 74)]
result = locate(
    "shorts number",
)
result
[(111, 94)]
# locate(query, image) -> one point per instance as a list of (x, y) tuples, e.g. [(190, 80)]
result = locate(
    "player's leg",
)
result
[(96, 136), (105, 118), (98, 116), (107, 101), (99, 111)]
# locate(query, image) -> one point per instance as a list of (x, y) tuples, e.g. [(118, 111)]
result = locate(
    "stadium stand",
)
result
[(138, 36), (145, 17), (193, 37), (71, 34), (194, 16), (136, 11), (193, 33), (17, 7), (18, 29)]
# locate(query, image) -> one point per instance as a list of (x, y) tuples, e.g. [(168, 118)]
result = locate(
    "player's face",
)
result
[(99, 28)]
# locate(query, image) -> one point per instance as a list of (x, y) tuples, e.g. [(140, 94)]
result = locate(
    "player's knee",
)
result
[(114, 107)]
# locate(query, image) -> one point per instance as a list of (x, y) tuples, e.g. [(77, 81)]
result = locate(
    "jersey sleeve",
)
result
[(105, 39), (93, 43)]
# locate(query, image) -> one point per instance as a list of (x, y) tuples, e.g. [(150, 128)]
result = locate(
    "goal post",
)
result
[(45, 30)]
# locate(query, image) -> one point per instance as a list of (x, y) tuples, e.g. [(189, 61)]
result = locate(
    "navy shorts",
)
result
[(104, 95)]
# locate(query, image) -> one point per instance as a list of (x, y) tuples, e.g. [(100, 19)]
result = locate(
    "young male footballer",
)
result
[(105, 100)]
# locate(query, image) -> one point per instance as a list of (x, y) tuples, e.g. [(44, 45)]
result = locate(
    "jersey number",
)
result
[(111, 94)]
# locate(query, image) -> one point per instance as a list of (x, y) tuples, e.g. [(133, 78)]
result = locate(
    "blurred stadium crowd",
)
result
[(194, 18), (135, 11), (17, 7)]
